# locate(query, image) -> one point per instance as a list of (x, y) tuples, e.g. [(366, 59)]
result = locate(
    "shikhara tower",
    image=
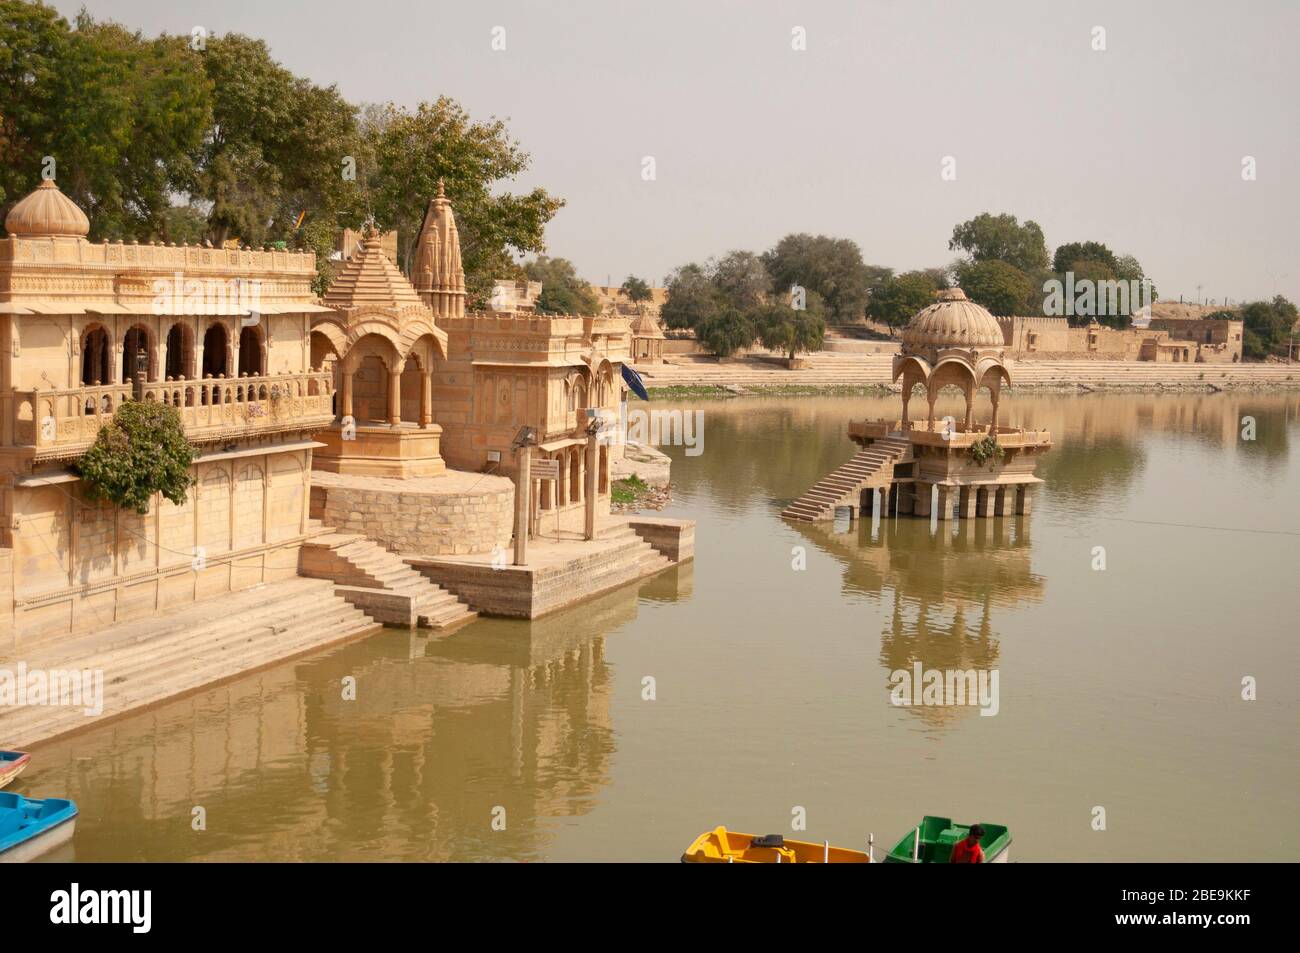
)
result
[(439, 276)]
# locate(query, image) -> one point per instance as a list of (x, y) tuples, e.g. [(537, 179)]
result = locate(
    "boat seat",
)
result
[(768, 840)]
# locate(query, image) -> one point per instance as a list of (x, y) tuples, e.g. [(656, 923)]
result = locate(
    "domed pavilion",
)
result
[(944, 468)]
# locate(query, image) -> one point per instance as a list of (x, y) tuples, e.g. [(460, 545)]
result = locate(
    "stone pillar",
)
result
[(395, 397), (523, 506), (987, 496), (906, 494), (921, 506), (1005, 500), (1025, 499), (589, 502), (969, 495), (426, 399), (345, 402), (944, 504)]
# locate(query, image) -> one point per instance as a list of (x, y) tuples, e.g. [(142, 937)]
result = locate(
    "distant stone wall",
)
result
[(454, 515)]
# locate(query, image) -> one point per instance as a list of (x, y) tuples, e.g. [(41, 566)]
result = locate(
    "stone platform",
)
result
[(456, 514), (561, 573)]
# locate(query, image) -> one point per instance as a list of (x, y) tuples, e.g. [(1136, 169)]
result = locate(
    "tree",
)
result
[(726, 331), (783, 328), (141, 451), (692, 297), (636, 289), (1002, 238), (831, 267), (1066, 256), (741, 280), (563, 292), (997, 285), (412, 151), (895, 301), (1267, 325)]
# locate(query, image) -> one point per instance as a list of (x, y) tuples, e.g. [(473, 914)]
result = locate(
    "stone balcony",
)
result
[(922, 433), (62, 423)]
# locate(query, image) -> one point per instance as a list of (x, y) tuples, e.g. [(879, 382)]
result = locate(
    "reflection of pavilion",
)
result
[(442, 731), (941, 589)]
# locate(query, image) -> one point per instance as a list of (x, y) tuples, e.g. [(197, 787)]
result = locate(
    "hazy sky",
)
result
[(1139, 146)]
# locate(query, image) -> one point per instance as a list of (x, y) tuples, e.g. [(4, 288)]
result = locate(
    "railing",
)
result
[(939, 434), (64, 422)]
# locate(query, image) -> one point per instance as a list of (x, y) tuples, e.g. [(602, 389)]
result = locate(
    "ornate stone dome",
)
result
[(47, 212), (952, 321)]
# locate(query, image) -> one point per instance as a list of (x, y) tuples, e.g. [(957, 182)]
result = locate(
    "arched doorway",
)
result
[(214, 351), (179, 362), (250, 353), (96, 368), (135, 354), (370, 389)]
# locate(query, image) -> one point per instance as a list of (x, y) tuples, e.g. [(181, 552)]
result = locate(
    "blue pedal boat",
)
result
[(30, 827)]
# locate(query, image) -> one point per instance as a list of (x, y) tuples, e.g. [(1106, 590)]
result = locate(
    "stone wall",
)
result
[(453, 515)]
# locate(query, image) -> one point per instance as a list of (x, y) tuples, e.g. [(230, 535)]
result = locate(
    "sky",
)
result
[(1139, 145)]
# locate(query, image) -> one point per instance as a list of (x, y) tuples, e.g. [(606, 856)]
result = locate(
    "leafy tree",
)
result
[(1267, 326), (831, 267), (741, 280), (1066, 255), (1002, 238), (784, 328), (692, 297), (636, 289), (411, 151), (141, 451), (895, 301), (999, 286), (563, 292), (726, 331)]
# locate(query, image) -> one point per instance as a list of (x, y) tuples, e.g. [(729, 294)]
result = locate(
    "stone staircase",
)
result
[(381, 583), (870, 467), (146, 661)]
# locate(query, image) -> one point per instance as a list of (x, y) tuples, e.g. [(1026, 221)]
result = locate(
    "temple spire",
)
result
[(439, 276)]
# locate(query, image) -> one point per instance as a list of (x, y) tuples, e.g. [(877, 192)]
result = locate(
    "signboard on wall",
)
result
[(544, 470)]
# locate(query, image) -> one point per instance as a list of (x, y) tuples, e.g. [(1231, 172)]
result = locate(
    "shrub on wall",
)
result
[(142, 451)]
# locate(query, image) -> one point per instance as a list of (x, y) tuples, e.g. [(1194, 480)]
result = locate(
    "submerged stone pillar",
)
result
[(1005, 502), (904, 496), (987, 496), (969, 495), (1025, 499), (921, 505), (944, 504)]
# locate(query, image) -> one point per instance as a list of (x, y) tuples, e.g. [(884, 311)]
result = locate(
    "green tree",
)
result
[(783, 328), (692, 297), (141, 451), (895, 301), (1002, 238), (726, 331), (636, 289), (563, 292), (1066, 255), (1267, 326), (999, 286), (411, 151), (831, 267), (741, 280)]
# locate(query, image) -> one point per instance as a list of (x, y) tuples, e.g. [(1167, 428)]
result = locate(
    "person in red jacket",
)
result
[(969, 851)]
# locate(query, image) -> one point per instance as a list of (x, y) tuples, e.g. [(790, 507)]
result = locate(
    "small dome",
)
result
[(47, 212), (952, 321)]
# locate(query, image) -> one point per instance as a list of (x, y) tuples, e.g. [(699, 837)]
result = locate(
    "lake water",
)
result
[(1118, 689)]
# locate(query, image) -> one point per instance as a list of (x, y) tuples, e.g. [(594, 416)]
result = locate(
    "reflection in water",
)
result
[(940, 587), (442, 733), (1119, 687)]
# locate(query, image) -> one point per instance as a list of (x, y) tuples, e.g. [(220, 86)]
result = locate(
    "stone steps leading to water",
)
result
[(147, 661), (870, 467)]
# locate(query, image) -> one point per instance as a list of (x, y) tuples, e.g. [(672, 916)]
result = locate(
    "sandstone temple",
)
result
[(938, 467), (408, 460)]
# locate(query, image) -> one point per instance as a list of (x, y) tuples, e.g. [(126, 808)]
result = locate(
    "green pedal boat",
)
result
[(932, 842)]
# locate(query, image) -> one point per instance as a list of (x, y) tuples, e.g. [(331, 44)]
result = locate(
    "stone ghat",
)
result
[(455, 514), (564, 572)]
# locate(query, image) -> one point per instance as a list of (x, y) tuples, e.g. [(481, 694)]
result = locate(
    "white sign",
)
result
[(545, 470)]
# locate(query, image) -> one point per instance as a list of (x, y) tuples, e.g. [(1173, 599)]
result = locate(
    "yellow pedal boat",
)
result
[(721, 846)]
